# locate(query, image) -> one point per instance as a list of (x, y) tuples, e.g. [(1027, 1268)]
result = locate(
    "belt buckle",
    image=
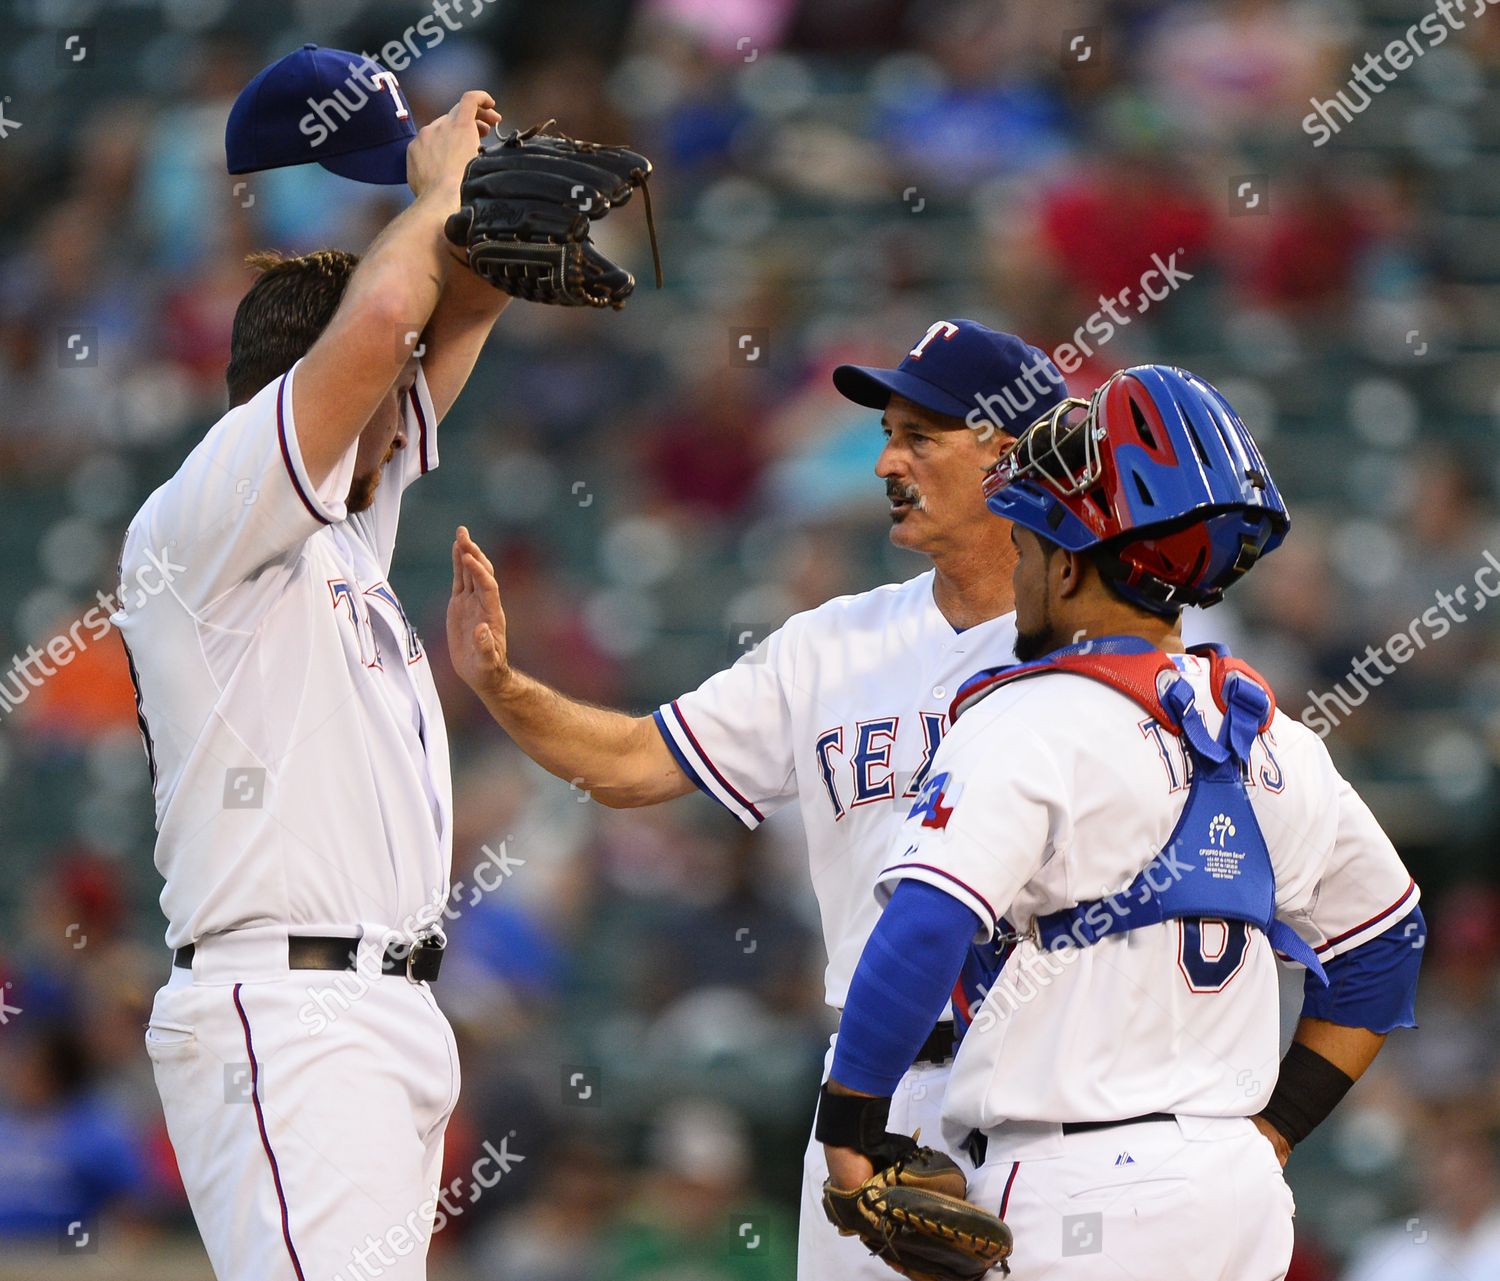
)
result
[(419, 968)]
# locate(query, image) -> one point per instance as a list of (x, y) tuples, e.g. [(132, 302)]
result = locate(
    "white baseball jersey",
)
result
[(1058, 790), (298, 755), (842, 710)]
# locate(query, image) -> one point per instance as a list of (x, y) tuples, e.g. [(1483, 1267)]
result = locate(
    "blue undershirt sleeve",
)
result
[(901, 986), (1375, 985)]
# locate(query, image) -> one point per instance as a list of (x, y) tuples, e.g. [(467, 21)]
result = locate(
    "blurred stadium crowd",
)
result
[(639, 1003)]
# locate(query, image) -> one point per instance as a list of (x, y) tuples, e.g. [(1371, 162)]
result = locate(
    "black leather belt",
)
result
[(977, 1144), (419, 961), (1083, 1127), (938, 1047)]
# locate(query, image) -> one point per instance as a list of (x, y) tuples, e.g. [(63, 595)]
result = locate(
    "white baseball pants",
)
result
[(1178, 1200), (306, 1108), (824, 1255)]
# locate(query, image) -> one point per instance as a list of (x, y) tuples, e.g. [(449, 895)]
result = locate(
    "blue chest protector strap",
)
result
[(1216, 864)]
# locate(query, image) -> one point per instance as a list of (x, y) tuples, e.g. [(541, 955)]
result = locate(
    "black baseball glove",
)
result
[(527, 207)]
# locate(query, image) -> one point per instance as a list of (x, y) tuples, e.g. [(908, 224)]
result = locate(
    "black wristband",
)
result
[(1308, 1089), (851, 1120)]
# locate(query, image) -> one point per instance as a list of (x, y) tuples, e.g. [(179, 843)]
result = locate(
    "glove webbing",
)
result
[(643, 177), (906, 1215)]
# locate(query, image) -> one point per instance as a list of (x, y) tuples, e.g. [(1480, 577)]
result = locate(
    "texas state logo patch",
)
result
[(935, 802)]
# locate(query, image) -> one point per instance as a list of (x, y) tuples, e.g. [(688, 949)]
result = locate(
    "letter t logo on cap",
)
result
[(385, 82), (944, 327)]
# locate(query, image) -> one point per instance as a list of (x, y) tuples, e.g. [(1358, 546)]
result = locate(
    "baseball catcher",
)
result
[(1117, 858), (913, 1212), (528, 206)]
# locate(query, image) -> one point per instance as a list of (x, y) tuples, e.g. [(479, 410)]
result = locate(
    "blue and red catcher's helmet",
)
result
[(1156, 471)]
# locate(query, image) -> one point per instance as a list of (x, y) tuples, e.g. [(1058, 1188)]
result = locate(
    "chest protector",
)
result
[(1215, 865)]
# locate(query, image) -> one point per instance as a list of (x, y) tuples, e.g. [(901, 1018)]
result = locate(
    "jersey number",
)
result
[(1211, 952)]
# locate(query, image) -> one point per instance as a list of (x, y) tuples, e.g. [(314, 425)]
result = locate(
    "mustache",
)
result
[(894, 489)]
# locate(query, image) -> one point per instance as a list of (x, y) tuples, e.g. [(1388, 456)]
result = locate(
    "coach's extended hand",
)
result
[(617, 759), (476, 619)]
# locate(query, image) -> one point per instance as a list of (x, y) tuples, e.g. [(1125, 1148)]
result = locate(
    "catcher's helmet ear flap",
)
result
[(1160, 475)]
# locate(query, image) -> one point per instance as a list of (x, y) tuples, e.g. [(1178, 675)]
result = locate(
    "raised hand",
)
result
[(476, 620)]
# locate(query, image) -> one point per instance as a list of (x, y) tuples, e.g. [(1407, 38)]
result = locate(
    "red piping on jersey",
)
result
[(286, 454), (712, 768), (265, 1142), (1015, 1167), (1411, 886), (416, 404), (140, 711), (928, 867)]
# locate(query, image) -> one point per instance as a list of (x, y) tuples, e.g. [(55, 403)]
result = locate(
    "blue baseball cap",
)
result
[(341, 109), (965, 370)]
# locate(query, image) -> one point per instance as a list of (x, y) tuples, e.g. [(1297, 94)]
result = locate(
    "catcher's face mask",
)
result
[(1059, 450), (1160, 474)]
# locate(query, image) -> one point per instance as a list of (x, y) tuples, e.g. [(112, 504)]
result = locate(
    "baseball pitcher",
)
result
[(298, 757)]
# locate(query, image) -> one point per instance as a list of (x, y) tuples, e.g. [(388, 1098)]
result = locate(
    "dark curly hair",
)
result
[(279, 319)]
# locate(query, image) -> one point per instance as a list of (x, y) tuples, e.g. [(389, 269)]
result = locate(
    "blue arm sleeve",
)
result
[(901, 986), (1375, 985)]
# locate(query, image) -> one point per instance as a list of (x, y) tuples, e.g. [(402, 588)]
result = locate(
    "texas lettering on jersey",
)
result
[(862, 773), (840, 713), (936, 794), (1263, 770), (356, 608), (865, 775)]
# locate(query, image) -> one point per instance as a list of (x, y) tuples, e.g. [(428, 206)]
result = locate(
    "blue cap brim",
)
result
[(384, 165), (871, 387)]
